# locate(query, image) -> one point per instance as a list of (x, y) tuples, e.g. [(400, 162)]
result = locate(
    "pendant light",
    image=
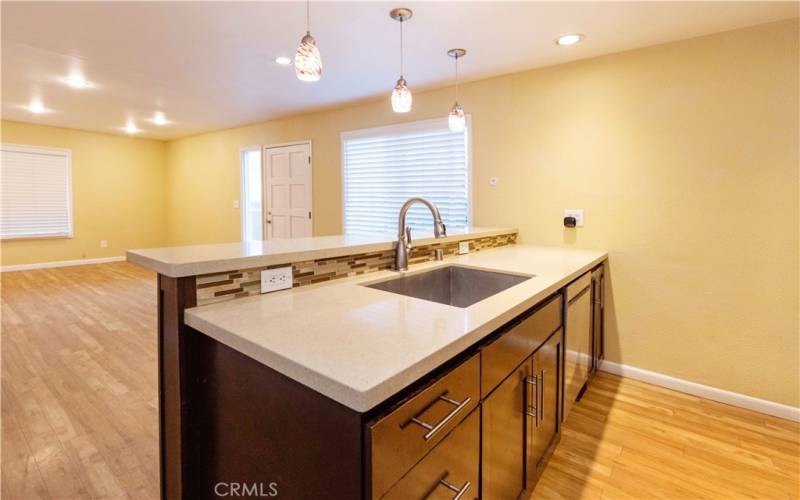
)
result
[(401, 96), (456, 121), (307, 62)]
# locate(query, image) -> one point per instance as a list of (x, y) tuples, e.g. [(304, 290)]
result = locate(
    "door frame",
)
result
[(264, 229)]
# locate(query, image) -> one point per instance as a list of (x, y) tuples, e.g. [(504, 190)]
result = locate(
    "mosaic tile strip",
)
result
[(231, 285)]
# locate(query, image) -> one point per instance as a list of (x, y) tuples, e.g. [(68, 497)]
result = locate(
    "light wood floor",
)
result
[(79, 383), (79, 410), (628, 439)]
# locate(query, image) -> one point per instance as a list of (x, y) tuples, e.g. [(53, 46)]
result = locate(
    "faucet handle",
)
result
[(408, 238), (439, 229)]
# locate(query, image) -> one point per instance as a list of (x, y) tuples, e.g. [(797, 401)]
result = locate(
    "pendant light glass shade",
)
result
[(401, 97), (456, 121), (307, 62)]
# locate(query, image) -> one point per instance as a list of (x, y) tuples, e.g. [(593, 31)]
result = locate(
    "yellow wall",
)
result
[(684, 156), (118, 190)]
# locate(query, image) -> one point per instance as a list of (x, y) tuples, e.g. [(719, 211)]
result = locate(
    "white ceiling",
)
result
[(209, 65)]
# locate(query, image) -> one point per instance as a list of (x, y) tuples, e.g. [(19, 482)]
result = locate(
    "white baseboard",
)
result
[(61, 263), (704, 391)]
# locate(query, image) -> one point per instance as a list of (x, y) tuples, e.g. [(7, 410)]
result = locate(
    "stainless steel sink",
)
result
[(452, 285)]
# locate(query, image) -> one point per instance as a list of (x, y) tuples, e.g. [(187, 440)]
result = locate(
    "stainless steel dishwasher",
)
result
[(578, 341)]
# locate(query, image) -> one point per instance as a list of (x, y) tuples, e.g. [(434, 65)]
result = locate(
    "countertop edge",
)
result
[(362, 401), (184, 269)]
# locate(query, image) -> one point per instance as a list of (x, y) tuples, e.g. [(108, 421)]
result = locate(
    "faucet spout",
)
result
[(404, 233)]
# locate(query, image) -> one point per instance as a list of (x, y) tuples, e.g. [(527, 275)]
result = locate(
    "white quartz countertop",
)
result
[(194, 260), (359, 345)]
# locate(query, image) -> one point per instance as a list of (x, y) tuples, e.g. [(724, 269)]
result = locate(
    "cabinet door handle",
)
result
[(433, 429), (531, 409), (541, 403), (460, 492)]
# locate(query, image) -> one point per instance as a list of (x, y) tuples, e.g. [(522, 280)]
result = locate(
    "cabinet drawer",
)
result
[(500, 357), (448, 471), (401, 438)]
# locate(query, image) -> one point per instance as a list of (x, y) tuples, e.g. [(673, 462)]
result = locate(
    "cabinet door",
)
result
[(503, 459), (543, 422)]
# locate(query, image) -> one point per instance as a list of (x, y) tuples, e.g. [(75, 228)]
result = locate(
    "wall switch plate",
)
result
[(463, 247), (235, 203), (577, 213), (276, 279), (103, 243)]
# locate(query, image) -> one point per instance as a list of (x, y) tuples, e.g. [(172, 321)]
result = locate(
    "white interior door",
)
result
[(287, 191)]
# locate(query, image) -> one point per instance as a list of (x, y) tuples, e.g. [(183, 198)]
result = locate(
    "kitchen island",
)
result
[(337, 389)]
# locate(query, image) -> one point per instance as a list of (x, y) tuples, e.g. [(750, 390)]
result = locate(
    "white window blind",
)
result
[(36, 190), (383, 167)]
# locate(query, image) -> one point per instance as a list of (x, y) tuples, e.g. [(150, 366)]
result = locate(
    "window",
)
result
[(252, 227), (383, 167), (36, 190)]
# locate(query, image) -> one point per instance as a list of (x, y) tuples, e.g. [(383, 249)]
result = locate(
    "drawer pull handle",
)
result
[(460, 492), (433, 429), (541, 393), (531, 409)]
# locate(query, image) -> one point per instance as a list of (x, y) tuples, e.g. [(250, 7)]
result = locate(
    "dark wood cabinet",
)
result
[(449, 471), (403, 435), (482, 424), (503, 448), (521, 416), (542, 413)]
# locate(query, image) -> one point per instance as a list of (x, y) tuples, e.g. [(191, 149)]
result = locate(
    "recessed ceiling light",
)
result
[(159, 118), (77, 82), (37, 107), (570, 39), (283, 60), (131, 128)]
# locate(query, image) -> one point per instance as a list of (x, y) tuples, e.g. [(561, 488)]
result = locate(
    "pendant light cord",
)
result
[(401, 46), (456, 77), (308, 16)]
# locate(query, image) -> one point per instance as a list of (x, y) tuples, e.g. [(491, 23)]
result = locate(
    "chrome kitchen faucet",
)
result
[(404, 233)]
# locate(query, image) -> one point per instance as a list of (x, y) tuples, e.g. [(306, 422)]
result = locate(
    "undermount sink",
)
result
[(452, 285)]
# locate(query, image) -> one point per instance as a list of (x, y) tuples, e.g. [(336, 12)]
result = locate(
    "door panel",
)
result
[(543, 424), (504, 438), (287, 191), (280, 227)]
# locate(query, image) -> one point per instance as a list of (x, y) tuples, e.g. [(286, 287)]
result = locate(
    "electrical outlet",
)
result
[(235, 203), (463, 247), (276, 279), (103, 243), (577, 213)]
